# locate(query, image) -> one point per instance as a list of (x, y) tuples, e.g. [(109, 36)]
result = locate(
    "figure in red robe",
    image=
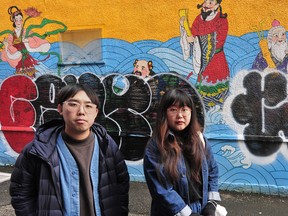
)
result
[(207, 36)]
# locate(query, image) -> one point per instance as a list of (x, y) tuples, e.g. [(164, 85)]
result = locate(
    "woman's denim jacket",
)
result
[(168, 199)]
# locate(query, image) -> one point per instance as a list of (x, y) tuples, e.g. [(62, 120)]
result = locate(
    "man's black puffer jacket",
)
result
[(35, 184)]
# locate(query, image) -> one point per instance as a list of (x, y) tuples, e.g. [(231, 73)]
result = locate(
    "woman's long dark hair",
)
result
[(170, 149)]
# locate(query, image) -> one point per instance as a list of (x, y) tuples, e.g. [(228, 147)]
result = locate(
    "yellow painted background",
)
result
[(133, 20)]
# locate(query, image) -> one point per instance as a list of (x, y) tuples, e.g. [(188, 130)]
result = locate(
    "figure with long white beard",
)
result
[(274, 50)]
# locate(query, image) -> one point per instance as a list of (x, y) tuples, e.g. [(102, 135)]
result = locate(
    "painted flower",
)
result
[(32, 12)]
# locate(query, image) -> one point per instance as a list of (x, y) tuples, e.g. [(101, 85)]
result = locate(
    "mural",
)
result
[(244, 103), (205, 40), (273, 54), (143, 68), (21, 42), (259, 108)]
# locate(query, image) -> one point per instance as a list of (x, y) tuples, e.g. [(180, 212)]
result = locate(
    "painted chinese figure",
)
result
[(19, 45), (274, 50), (204, 41)]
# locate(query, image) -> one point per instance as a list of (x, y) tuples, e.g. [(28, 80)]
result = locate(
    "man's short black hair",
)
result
[(71, 90)]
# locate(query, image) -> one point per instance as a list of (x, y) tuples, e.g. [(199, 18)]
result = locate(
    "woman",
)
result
[(179, 167), (18, 48)]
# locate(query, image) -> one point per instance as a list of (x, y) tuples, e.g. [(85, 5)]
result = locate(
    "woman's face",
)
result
[(18, 20), (178, 117)]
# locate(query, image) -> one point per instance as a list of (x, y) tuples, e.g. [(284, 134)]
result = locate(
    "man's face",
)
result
[(79, 114), (210, 5), (278, 36), (141, 68), (278, 44)]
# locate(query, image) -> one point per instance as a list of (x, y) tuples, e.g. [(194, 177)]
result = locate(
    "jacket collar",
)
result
[(44, 143)]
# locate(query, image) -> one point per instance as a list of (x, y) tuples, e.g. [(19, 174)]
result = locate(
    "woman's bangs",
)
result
[(182, 100)]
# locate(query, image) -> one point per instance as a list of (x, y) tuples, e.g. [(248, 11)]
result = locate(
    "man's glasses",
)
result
[(74, 106), (185, 111)]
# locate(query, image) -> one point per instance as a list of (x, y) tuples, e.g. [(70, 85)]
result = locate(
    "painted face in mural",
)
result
[(18, 20), (178, 117), (141, 68), (279, 35), (278, 43), (208, 7), (79, 114)]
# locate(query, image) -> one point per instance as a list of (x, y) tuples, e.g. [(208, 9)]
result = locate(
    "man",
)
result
[(274, 50), (212, 27), (143, 68), (72, 167)]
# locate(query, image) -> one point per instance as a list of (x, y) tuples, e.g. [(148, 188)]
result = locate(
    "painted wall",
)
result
[(244, 106)]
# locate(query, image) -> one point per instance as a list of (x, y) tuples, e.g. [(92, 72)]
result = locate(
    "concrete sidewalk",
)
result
[(237, 204)]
